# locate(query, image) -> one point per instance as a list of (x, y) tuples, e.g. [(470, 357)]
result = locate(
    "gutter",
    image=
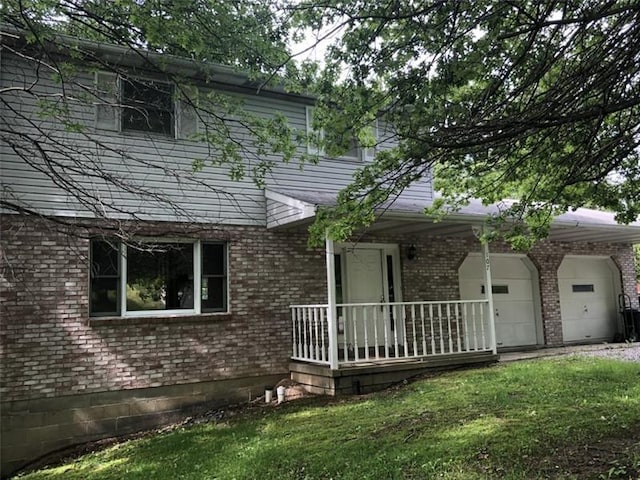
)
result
[(211, 74)]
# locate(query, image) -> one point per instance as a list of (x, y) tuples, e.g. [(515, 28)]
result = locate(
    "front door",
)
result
[(370, 277)]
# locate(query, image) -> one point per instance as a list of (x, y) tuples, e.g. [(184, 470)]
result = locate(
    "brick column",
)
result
[(625, 261), (548, 263)]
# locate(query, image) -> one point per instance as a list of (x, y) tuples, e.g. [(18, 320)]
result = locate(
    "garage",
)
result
[(588, 289), (515, 288)]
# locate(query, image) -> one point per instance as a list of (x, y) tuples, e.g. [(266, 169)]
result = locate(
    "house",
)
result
[(220, 295)]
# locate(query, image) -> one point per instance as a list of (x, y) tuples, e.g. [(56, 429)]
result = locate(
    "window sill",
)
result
[(346, 159), (149, 135), (159, 319)]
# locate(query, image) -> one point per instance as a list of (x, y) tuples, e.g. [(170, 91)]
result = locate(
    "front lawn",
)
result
[(568, 418)]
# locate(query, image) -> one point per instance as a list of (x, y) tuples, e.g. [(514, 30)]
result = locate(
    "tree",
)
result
[(536, 101), (65, 40)]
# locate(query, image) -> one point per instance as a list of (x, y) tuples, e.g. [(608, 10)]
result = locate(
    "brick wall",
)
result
[(54, 355), (52, 348)]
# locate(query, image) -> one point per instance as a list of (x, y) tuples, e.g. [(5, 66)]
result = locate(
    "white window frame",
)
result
[(116, 106), (364, 154), (174, 106), (197, 281), (158, 313)]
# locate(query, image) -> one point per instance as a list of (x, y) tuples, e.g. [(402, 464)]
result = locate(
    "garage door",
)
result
[(587, 299), (512, 296)]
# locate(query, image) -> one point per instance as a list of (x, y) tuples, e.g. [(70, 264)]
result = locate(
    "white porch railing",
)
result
[(388, 331)]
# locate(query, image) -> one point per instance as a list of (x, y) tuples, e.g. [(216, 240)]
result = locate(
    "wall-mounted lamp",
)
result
[(411, 252)]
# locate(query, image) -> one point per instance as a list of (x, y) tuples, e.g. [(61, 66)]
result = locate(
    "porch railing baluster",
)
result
[(456, 312), (449, 328), (354, 314), (294, 320), (366, 336), (375, 330), (323, 321), (394, 313), (475, 329), (403, 316), (440, 323), (465, 324), (345, 347), (316, 337), (305, 345), (433, 337), (387, 325), (484, 339), (415, 333)]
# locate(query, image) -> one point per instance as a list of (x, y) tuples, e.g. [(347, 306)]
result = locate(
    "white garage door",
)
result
[(512, 296), (587, 299)]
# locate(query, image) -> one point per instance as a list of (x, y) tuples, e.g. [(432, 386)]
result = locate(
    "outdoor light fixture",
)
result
[(411, 252)]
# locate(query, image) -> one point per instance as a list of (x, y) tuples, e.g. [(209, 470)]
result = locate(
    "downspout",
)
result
[(332, 311), (488, 290)]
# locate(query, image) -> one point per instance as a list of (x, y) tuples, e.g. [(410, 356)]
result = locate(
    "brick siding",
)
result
[(52, 350)]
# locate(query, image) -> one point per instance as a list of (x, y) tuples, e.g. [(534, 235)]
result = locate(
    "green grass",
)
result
[(515, 421)]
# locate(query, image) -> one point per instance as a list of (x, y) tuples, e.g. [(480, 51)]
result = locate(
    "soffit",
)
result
[(407, 217)]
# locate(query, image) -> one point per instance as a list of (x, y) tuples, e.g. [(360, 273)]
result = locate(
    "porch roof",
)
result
[(297, 207)]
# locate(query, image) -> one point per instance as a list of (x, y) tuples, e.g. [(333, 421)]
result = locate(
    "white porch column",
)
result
[(488, 290), (332, 311)]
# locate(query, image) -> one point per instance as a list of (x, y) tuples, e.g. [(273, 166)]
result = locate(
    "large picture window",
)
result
[(157, 278)]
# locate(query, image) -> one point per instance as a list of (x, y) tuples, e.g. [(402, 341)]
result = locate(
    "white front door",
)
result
[(371, 275), (365, 276)]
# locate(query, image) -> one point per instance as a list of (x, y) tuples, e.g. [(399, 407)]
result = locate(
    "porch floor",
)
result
[(376, 375)]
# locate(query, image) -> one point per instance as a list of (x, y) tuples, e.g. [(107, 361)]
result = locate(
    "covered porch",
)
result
[(361, 346), (389, 316)]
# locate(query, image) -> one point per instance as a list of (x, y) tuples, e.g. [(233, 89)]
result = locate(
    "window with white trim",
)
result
[(148, 106), (157, 278), (145, 106), (354, 151)]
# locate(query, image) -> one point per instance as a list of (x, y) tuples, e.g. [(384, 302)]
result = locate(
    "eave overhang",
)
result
[(297, 208)]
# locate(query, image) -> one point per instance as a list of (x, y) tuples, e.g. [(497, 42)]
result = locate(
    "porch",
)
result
[(379, 344)]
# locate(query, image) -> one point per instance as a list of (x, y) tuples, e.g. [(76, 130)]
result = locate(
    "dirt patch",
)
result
[(608, 458)]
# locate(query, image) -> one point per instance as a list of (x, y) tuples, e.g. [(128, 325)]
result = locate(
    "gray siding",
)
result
[(152, 175), (280, 214)]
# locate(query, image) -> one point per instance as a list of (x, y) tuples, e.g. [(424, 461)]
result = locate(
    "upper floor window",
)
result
[(157, 278), (147, 106), (352, 149)]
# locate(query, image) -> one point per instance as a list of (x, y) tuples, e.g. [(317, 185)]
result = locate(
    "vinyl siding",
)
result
[(279, 214), (153, 174)]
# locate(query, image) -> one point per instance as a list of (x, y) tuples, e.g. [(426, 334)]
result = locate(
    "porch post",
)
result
[(332, 311), (488, 290)]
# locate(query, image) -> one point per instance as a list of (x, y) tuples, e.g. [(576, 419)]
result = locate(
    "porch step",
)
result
[(372, 376)]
